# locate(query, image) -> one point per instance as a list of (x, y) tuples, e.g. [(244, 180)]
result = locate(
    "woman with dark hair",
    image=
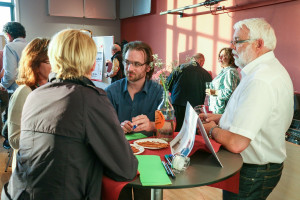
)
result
[(224, 84), (33, 72)]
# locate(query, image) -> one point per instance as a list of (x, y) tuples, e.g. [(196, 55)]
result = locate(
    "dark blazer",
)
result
[(188, 84)]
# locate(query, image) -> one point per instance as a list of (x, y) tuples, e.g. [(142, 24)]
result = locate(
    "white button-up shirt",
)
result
[(261, 109)]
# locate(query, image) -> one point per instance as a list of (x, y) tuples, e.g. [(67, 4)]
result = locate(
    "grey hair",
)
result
[(259, 28)]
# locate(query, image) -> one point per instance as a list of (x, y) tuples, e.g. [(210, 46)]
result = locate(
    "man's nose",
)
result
[(130, 67)]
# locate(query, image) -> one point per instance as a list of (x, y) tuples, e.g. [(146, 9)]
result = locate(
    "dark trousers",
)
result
[(179, 114), (256, 182), (4, 98)]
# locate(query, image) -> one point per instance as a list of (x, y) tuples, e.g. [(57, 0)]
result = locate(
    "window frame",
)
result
[(11, 5)]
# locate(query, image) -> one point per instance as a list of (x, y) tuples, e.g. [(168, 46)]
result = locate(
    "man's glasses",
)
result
[(234, 42), (135, 64)]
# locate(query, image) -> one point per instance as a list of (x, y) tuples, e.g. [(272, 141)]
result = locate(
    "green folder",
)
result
[(135, 136), (152, 171)]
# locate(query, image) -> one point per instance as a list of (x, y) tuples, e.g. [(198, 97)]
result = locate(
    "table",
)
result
[(203, 170)]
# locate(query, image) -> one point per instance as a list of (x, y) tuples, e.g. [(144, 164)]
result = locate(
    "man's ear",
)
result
[(148, 68), (260, 43), (9, 37)]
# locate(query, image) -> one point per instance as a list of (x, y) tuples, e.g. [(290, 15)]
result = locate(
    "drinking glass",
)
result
[(207, 85), (201, 109), (206, 100)]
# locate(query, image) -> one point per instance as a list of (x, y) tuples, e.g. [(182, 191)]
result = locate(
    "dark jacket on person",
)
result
[(120, 74), (188, 84), (70, 137)]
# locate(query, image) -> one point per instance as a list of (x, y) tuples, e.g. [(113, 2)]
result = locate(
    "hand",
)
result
[(208, 126), (143, 123), (211, 92), (2, 88), (127, 126), (210, 117)]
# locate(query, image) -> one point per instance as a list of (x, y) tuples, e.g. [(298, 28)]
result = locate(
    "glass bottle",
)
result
[(206, 100), (165, 119)]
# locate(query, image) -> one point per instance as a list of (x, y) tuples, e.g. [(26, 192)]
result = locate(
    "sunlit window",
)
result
[(6, 12)]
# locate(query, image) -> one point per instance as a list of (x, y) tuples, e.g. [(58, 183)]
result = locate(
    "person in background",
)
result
[(15, 34), (188, 84), (1, 61), (259, 112), (224, 84), (33, 72), (117, 70), (3, 99), (123, 43), (136, 97), (64, 146)]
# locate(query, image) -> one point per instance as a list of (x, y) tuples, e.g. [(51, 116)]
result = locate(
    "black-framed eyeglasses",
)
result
[(135, 64), (234, 42)]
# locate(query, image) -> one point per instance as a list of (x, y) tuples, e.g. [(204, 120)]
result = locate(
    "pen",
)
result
[(171, 171), (168, 160), (164, 164), (134, 127), (171, 157)]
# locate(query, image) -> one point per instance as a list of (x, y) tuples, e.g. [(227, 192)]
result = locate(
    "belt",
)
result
[(265, 166)]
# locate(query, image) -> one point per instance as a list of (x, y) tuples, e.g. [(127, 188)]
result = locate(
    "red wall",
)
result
[(173, 38)]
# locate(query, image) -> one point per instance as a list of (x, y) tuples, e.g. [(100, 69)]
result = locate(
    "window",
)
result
[(7, 13)]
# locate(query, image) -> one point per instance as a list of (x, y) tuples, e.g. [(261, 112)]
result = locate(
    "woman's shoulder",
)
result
[(22, 90)]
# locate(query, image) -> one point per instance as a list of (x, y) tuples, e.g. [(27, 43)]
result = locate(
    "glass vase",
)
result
[(165, 119)]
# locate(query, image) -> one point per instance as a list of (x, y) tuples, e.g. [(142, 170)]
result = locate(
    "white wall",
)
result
[(34, 17), (2, 42)]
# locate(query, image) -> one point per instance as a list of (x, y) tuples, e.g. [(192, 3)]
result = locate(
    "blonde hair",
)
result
[(72, 54)]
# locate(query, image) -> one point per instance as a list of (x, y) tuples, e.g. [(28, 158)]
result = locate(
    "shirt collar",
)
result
[(254, 64), (19, 40), (145, 88)]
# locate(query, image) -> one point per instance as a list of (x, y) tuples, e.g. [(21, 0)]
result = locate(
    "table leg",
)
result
[(156, 194)]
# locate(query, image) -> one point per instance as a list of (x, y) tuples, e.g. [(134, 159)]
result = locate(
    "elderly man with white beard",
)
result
[(258, 113)]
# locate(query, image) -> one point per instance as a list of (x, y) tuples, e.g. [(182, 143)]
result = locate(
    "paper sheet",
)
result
[(135, 136), (152, 171), (207, 141), (185, 139)]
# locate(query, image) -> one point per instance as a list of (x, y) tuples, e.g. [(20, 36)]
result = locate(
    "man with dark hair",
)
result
[(136, 97), (117, 70), (14, 34), (188, 84)]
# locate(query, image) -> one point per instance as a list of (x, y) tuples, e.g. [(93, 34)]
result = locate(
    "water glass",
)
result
[(180, 162), (207, 85), (201, 109)]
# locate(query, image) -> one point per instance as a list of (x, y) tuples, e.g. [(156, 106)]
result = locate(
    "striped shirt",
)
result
[(225, 83)]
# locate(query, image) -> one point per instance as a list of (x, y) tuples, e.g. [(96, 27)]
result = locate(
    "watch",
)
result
[(211, 130)]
